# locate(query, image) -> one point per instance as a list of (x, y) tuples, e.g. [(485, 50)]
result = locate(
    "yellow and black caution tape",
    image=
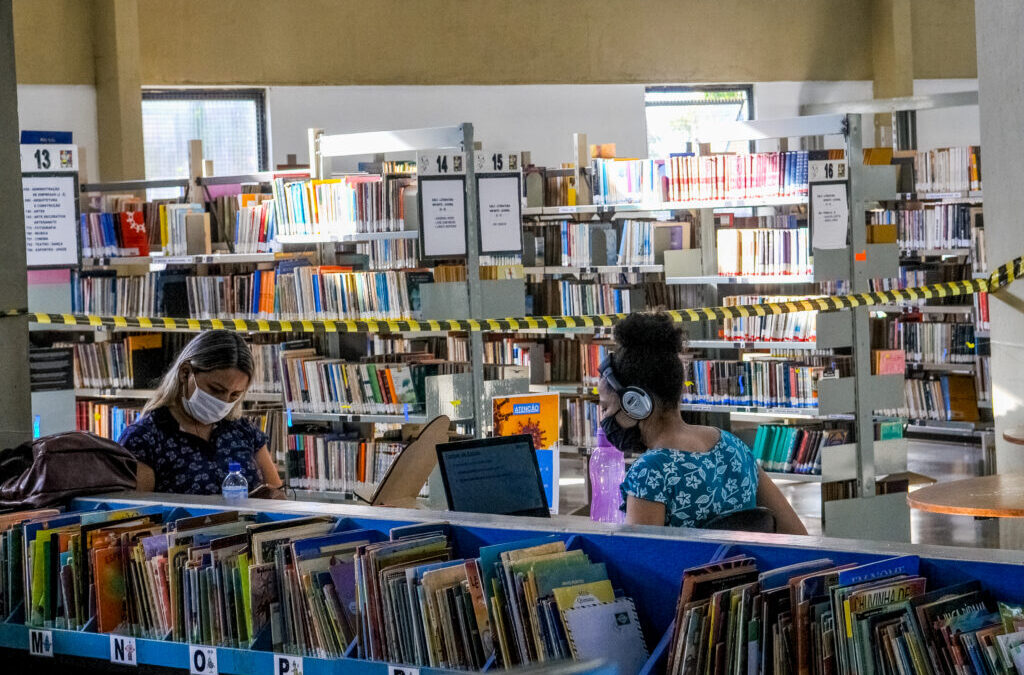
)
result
[(1005, 275)]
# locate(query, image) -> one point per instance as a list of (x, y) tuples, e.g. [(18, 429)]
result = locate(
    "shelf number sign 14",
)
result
[(436, 163), (824, 170), (497, 162)]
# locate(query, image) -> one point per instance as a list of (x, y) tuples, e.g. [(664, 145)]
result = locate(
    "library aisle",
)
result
[(442, 337)]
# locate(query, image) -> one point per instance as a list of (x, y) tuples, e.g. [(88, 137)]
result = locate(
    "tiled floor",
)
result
[(942, 461)]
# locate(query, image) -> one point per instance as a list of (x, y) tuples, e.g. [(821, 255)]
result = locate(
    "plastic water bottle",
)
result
[(607, 471), (234, 488)]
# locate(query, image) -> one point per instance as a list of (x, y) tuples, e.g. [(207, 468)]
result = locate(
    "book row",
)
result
[(948, 169), (943, 398), (325, 462), (930, 226), (316, 384), (932, 341), (819, 617), (763, 252), (787, 449), (341, 206), (580, 419), (760, 381), (390, 254), (795, 326), (551, 297), (683, 178), (139, 361)]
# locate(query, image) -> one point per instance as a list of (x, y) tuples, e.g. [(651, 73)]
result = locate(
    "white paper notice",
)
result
[(51, 230), (500, 217), (830, 216), (444, 217)]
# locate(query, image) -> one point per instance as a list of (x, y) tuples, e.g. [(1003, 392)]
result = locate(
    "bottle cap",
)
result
[(234, 466)]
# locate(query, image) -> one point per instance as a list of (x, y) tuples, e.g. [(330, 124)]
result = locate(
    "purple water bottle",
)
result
[(607, 471)]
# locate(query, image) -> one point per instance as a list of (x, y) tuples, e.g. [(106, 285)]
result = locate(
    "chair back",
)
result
[(757, 519)]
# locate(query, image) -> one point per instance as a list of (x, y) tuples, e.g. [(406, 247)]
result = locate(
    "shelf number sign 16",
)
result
[(823, 170), (441, 163)]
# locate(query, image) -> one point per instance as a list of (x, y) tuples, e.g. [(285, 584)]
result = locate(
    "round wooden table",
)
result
[(999, 496), (1014, 435)]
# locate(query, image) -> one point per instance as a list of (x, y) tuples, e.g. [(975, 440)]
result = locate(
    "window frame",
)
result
[(257, 96), (708, 88)]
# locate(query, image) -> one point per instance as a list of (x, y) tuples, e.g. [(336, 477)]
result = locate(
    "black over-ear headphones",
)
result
[(635, 402)]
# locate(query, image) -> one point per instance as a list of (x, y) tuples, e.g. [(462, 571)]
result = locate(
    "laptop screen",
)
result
[(493, 475)]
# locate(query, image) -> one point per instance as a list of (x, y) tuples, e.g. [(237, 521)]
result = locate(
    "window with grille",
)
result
[(230, 122), (676, 115)]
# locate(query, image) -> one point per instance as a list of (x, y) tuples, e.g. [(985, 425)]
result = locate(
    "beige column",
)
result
[(892, 58), (118, 89), (15, 395)]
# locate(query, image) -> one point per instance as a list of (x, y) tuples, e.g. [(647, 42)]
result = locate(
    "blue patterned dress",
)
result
[(695, 487), (186, 464)]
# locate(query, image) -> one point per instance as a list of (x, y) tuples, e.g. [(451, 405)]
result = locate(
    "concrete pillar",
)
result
[(15, 395), (998, 24), (118, 89), (892, 58)]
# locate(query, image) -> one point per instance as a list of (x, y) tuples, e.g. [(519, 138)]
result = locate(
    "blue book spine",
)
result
[(86, 243), (317, 299), (255, 303)]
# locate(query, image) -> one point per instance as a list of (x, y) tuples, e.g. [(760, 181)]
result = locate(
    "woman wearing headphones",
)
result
[(687, 474)]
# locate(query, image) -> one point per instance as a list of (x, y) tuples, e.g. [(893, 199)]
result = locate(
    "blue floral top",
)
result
[(695, 487), (186, 464)]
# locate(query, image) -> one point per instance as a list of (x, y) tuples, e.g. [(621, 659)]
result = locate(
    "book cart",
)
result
[(646, 562)]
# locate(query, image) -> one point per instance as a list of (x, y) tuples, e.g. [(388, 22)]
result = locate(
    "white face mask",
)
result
[(204, 407)]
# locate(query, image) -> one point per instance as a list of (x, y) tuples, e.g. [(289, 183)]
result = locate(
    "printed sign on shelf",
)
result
[(821, 170), (51, 220), (40, 642), (46, 158), (495, 162), (440, 163), (122, 650), (286, 664), (402, 670), (202, 660), (442, 216), (501, 220), (830, 215)]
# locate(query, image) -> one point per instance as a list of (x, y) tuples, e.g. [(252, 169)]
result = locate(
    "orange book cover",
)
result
[(391, 385), (534, 414), (108, 580)]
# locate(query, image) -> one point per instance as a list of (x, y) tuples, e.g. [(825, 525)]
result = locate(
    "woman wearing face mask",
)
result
[(192, 427), (687, 474)]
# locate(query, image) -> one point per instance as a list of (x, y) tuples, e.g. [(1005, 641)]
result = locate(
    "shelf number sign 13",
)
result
[(823, 170), (441, 163), (497, 162)]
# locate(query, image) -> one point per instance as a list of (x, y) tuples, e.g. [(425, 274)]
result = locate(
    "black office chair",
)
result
[(757, 519)]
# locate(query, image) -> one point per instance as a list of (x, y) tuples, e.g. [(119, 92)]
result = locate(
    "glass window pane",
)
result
[(676, 117), (228, 125)]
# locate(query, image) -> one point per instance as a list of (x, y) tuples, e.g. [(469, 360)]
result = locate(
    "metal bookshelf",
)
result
[(766, 280)]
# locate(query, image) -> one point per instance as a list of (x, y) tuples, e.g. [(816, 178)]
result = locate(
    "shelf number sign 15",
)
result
[(497, 162), (439, 163), (824, 170)]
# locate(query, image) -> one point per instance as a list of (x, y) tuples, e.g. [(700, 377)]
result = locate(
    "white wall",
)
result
[(947, 127), (59, 107), (542, 118)]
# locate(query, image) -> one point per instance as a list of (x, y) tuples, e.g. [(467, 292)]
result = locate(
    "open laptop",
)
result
[(493, 475)]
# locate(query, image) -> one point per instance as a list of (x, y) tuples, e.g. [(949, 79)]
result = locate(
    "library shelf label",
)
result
[(46, 157), (823, 170), (431, 163), (122, 650), (830, 215), (202, 660), (402, 670), (443, 210), (501, 219), (286, 664), (40, 642), (51, 222), (494, 162)]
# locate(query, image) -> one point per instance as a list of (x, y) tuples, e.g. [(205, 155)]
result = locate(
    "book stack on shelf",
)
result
[(787, 449), (764, 246), (922, 226), (932, 342), (331, 462), (760, 380), (955, 169), (683, 178)]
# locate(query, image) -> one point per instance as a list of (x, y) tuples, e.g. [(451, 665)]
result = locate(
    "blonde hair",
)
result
[(210, 350)]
